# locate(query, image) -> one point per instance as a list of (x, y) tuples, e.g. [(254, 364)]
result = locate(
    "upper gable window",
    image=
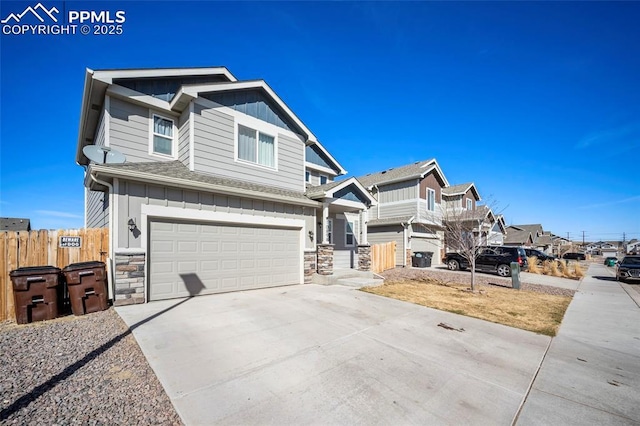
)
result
[(431, 199), (256, 147), (162, 131), (469, 204)]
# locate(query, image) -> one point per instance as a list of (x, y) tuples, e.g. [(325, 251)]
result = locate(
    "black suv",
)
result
[(574, 256), (628, 269), (490, 259), (542, 256)]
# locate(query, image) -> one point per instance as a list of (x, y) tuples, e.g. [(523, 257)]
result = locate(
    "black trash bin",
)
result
[(87, 287), (35, 293), (421, 259)]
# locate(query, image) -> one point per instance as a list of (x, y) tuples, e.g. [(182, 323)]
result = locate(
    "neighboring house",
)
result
[(518, 236), (14, 224), (531, 235), (560, 245), (459, 204), (633, 247), (224, 188), (408, 209), (464, 196), (498, 232)]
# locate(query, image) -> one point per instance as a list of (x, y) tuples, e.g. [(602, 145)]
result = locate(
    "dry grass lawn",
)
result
[(540, 313)]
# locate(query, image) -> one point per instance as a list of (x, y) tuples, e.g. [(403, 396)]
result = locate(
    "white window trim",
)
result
[(307, 176), (354, 232), (429, 191), (320, 176), (260, 129), (174, 133), (469, 204)]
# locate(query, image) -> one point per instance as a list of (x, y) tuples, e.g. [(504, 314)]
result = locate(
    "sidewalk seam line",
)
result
[(533, 379)]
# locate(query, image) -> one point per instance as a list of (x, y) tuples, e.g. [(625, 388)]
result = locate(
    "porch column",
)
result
[(325, 216), (365, 219)]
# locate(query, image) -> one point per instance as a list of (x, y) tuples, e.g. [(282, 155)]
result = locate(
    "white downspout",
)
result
[(110, 257)]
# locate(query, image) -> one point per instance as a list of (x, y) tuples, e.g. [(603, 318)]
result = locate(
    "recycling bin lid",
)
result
[(83, 265), (34, 270)]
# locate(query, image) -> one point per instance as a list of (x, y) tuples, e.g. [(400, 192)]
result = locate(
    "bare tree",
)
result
[(466, 232)]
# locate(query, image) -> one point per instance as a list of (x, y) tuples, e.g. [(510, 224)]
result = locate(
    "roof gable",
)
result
[(417, 170), (461, 189)]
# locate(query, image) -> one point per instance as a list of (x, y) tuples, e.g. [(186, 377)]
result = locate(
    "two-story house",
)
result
[(408, 209), (215, 185)]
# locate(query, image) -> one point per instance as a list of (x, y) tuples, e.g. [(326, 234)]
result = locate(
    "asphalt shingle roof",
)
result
[(14, 224), (177, 170), (413, 170), (457, 189), (389, 221), (314, 191)]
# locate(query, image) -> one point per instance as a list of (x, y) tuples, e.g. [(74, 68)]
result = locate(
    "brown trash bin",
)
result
[(87, 287), (35, 293)]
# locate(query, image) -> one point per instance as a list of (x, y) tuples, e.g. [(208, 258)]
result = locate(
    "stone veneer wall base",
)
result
[(129, 279)]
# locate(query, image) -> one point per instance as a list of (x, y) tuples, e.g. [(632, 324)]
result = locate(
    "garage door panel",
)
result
[(220, 258)]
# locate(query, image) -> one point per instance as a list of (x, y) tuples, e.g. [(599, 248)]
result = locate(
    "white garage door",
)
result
[(195, 258)]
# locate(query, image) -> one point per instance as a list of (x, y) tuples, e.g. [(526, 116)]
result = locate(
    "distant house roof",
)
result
[(14, 224), (174, 173), (461, 189), (416, 170), (518, 235)]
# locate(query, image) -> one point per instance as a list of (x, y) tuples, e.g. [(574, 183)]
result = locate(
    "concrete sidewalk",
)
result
[(591, 373)]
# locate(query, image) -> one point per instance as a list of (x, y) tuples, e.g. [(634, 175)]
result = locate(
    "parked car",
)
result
[(611, 261), (574, 256), (540, 255), (628, 269), (496, 259)]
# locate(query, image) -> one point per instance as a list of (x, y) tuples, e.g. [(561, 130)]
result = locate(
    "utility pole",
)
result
[(582, 239)]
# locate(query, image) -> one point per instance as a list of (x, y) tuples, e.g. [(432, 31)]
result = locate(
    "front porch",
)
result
[(341, 242)]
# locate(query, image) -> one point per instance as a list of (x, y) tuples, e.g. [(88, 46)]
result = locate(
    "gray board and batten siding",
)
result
[(255, 104), (133, 195), (97, 202), (165, 88), (314, 155)]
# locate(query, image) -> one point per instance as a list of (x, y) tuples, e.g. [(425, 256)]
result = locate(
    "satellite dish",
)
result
[(103, 155)]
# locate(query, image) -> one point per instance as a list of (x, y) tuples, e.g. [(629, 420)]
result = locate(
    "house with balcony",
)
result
[(214, 185)]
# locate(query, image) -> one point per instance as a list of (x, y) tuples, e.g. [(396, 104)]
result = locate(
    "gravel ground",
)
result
[(78, 370), (464, 277)]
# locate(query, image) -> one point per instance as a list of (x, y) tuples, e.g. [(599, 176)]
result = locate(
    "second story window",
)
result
[(307, 176), (431, 200), (162, 136), (323, 179), (469, 204), (256, 147)]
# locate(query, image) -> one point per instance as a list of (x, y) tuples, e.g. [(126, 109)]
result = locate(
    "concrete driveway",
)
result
[(332, 355)]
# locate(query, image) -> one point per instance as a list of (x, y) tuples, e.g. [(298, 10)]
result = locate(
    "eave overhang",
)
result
[(107, 172)]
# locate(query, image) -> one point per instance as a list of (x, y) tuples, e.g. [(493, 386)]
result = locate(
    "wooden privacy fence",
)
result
[(42, 248), (383, 257)]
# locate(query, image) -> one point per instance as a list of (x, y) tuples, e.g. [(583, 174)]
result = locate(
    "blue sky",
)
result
[(537, 103)]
